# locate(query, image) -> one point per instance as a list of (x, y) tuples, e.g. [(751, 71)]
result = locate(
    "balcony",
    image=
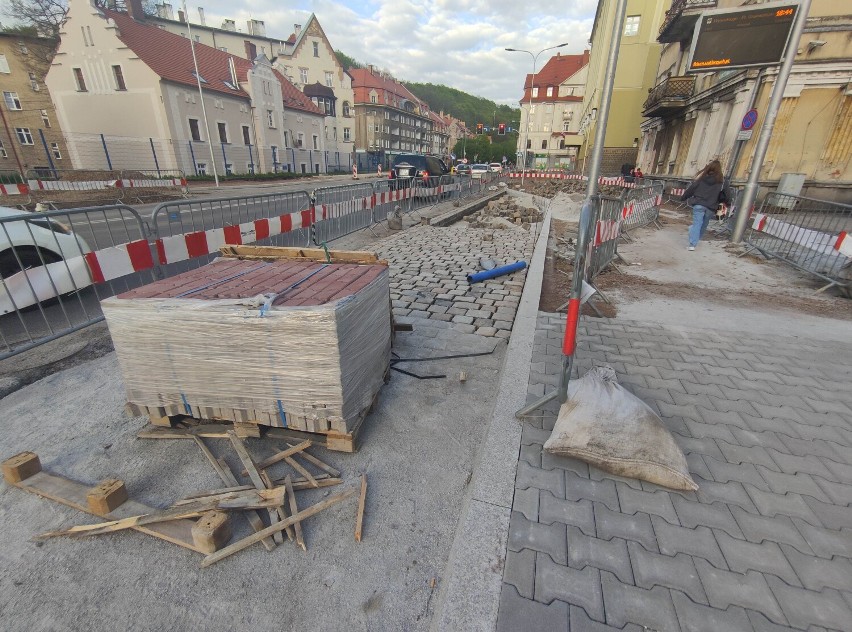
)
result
[(680, 19), (669, 96)]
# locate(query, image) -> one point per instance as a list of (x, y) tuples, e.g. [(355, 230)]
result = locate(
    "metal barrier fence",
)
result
[(641, 205), (810, 235), (55, 267), (605, 232), (342, 210)]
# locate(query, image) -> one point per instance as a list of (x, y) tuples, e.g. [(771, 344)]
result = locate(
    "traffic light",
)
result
[(479, 128), (501, 129)]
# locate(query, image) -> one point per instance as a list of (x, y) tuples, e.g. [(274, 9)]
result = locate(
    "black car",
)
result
[(463, 169), (408, 166)]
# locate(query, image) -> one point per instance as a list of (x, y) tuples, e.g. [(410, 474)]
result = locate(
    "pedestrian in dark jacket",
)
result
[(703, 196)]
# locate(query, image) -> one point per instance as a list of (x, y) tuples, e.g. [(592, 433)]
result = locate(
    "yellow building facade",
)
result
[(636, 72)]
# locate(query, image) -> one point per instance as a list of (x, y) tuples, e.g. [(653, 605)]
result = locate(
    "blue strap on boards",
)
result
[(186, 404), (282, 414)]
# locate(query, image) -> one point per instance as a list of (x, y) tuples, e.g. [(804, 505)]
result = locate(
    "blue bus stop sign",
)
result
[(749, 120)]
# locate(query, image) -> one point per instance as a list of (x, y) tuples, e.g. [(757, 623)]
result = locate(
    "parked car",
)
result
[(405, 167), (463, 169), (495, 167), (40, 258), (477, 171)]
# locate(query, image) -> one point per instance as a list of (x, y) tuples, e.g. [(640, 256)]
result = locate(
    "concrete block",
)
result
[(608, 555), (698, 542), (517, 613), (694, 617), (677, 572), (550, 539), (520, 572), (748, 590), (724, 472), (578, 587), (526, 501), (805, 608), (743, 556), (628, 604), (778, 529), (657, 503), (715, 515), (614, 524), (576, 513), (830, 515)]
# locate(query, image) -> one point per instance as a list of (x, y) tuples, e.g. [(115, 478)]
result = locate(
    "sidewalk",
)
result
[(766, 541)]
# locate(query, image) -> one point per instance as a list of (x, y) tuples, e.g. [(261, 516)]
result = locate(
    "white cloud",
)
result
[(459, 43)]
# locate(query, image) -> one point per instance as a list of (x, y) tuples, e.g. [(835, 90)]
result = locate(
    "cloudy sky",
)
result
[(459, 43)]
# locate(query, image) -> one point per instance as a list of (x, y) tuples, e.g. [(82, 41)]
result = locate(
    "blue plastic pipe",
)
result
[(476, 277)]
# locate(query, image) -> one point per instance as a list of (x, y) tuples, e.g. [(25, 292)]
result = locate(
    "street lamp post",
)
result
[(529, 113)]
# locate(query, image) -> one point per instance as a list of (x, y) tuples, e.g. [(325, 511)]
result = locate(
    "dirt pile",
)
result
[(504, 213)]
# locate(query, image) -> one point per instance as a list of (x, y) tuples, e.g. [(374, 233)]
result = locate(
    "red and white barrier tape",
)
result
[(826, 243), (14, 189)]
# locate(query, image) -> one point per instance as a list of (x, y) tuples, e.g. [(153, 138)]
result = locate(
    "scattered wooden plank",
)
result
[(241, 498), (215, 492), (362, 500), (294, 510), (253, 517), (271, 253), (282, 514), (323, 480), (75, 495), (325, 467), (210, 457), (277, 528), (254, 475), (301, 470), (280, 456)]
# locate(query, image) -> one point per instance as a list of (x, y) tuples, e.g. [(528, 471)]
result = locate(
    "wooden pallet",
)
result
[(166, 426)]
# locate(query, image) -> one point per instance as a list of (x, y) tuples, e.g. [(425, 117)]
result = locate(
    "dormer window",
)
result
[(199, 77)]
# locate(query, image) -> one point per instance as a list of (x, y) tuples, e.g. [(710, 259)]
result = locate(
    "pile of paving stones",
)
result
[(504, 213), (428, 276), (550, 188)]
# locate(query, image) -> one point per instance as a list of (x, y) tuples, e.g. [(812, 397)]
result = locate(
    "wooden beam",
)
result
[(272, 253), (253, 517), (254, 475), (277, 528), (362, 500), (325, 467), (280, 456), (294, 510)]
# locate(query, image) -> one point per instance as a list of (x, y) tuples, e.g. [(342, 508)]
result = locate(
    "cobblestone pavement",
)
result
[(766, 541), (429, 268)]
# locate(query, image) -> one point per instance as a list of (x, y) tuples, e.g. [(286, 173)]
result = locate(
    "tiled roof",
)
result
[(363, 81), (557, 69), (170, 56)]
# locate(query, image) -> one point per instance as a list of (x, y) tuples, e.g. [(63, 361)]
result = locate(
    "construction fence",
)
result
[(56, 266)]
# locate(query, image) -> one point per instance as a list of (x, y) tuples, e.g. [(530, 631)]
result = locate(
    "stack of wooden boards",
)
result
[(281, 337), (202, 521)]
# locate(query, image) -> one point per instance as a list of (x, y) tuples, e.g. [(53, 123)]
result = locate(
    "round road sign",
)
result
[(749, 119)]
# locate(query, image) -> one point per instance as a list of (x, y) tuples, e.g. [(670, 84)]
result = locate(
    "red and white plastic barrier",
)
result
[(98, 185), (825, 243), (14, 189)]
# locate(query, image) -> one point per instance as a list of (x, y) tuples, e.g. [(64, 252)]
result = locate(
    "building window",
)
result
[(565, 126), (223, 132), (34, 82), (194, 129), (544, 144), (535, 92), (3, 153), (246, 136), (24, 135), (201, 168), (347, 112), (119, 78), (550, 91), (529, 143), (316, 141), (286, 139), (79, 80), (270, 119), (631, 25), (54, 149), (45, 119), (300, 141), (229, 168), (4, 65), (329, 79), (12, 100), (373, 98), (303, 75), (316, 49), (274, 151)]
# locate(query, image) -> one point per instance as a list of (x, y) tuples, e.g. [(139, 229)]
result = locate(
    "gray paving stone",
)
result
[(802, 483), (629, 604), (778, 529), (608, 555), (578, 513), (520, 571), (731, 493), (551, 461), (516, 613), (815, 447), (839, 493), (694, 617), (715, 515), (698, 542), (831, 516), (706, 446), (551, 480), (526, 501), (581, 622), (699, 429), (766, 439), (597, 474), (697, 466), (657, 503), (531, 434), (743, 454), (577, 587), (724, 472), (825, 542), (817, 573), (748, 590), (531, 454), (614, 524), (767, 557), (792, 464), (550, 539), (806, 607), (770, 505), (674, 411), (577, 487), (677, 572)]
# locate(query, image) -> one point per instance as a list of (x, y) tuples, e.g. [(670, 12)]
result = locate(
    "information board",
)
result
[(725, 39)]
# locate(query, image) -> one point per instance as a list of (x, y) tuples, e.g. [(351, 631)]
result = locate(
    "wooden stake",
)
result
[(296, 466), (362, 500), (294, 510), (310, 458), (280, 456), (253, 517), (254, 475), (277, 527)]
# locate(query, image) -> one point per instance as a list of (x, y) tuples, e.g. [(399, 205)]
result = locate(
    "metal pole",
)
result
[(750, 191), (586, 216), (106, 152), (192, 155), (156, 162), (738, 147), (201, 95), (47, 152)]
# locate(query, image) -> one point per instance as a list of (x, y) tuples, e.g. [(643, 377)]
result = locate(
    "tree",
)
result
[(46, 16), (346, 61)]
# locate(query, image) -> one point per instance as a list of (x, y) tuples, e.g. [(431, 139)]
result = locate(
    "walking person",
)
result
[(703, 195)]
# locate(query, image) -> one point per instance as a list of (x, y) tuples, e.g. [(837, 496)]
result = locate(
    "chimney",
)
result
[(134, 10), (165, 11), (371, 68), (229, 25), (297, 28), (201, 16), (181, 17)]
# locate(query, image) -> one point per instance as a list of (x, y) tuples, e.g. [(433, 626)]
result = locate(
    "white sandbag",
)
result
[(605, 425)]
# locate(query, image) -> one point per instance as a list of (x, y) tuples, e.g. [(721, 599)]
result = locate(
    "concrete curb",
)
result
[(469, 597)]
